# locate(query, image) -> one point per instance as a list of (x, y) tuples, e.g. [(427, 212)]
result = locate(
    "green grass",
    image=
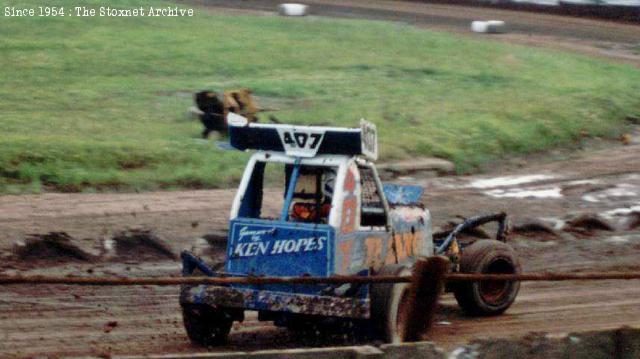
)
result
[(99, 103)]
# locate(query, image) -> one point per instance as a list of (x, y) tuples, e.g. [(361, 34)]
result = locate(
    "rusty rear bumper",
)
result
[(294, 303)]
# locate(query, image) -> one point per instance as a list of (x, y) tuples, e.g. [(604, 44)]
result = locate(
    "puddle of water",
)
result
[(534, 244), (621, 190), (508, 181), (549, 192), (620, 239), (108, 244), (582, 182), (406, 179), (556, 223), (620, 212)]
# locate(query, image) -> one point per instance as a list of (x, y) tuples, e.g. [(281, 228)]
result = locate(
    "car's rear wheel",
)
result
[(206, 325), (487, 297)]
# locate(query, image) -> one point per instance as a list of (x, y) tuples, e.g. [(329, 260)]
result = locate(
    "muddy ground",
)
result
[(543, 196)]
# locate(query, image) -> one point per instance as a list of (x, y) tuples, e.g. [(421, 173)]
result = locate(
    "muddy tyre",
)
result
[(491, 297), (387, 304), (206, 325)]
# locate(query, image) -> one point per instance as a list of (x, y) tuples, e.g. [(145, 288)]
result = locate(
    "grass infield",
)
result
[(99, 103)]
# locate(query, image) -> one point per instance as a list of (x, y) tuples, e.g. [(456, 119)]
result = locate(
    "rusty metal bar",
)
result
[(474, 222), (169, 281), (540, 277), (166, 281)]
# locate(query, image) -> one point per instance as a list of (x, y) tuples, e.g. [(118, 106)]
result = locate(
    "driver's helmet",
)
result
[(308, 211)]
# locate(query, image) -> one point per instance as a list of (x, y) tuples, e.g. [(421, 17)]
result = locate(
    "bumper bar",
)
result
[(253, 299)]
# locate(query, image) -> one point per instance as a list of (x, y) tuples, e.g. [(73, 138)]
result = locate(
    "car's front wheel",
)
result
[(206, 325)]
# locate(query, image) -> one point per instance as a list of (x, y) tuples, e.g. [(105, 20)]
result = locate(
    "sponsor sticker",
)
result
[(257, 242)]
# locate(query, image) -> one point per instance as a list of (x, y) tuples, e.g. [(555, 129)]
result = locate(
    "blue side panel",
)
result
[(402, 195), (275, 248)]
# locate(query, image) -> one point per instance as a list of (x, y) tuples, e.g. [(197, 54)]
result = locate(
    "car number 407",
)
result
[(302, 140)]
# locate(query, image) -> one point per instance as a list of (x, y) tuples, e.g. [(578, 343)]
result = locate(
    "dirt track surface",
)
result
[(58, 320), (600, 38), (146, 320)]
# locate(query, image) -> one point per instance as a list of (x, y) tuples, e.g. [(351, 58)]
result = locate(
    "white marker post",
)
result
[(291, 9), (488, 27)]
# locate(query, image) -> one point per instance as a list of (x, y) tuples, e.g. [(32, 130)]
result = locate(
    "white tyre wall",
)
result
[(291, 9), (488, 27)]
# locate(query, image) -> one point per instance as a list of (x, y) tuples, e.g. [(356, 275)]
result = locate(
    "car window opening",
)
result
[(311, 199), (372, 212)]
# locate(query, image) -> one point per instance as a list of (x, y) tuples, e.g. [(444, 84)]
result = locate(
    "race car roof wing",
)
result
[(303, 141)]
